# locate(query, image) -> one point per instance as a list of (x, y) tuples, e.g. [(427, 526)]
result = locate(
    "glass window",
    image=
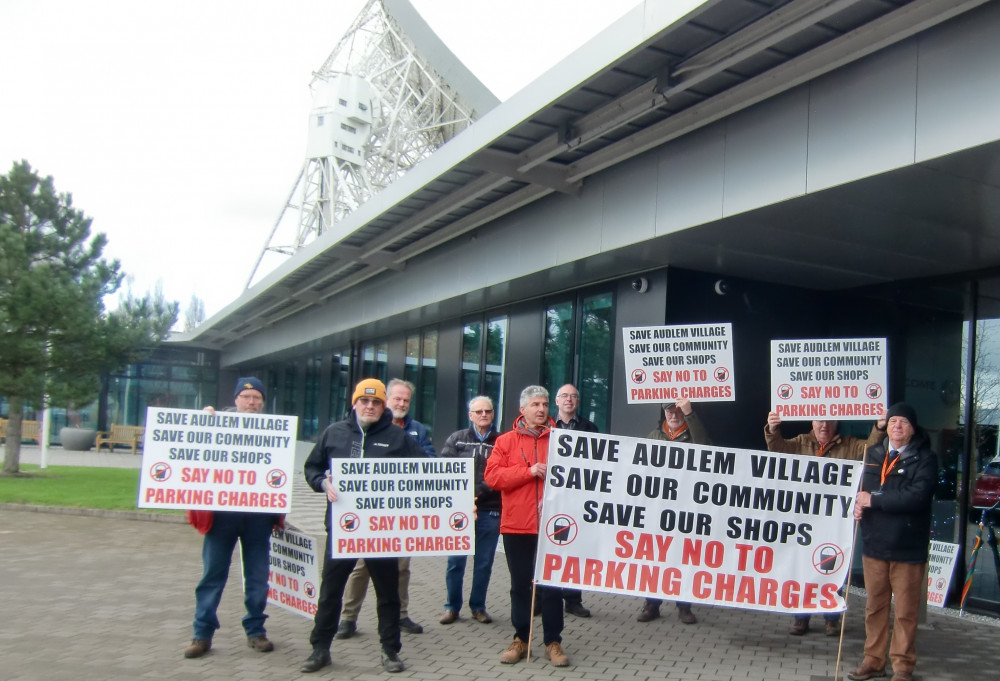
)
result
[(375, 361), (557, 368), (472, 344), (288, 389), (309, 424), (420, 369), (595, 359), (340, 385), (483, 362)]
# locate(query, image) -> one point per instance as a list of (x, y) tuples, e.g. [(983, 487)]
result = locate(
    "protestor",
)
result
[(517, 468), (400, 393), (568, 403), (678, 423), (222, 529), (822, 440), (367, 432), (476, 443), (894, 510)]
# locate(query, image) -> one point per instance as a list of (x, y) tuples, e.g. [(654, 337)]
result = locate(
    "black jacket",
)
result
[(466, 443), (897, 527), (345, 440)]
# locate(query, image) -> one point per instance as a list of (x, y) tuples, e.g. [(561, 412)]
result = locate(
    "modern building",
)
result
[(797, 168)]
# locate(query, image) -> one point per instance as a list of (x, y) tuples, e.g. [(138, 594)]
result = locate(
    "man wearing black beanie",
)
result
[(894, 510)]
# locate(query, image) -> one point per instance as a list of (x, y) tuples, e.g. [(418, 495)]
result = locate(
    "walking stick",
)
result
[(850, 573)]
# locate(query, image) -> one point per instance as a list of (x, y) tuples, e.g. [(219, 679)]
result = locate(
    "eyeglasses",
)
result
[(368, 401), (480, 412), (569, 396)]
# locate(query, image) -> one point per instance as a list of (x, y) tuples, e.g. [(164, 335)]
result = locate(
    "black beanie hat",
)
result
[(904, 410), (248, 383)]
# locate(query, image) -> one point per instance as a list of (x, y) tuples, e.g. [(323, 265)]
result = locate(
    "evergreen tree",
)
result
[(56, 338)]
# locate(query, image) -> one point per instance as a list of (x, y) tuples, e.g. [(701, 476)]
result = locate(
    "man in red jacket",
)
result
[(517, 468)]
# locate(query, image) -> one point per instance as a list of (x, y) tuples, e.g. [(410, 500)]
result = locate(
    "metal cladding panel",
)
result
[(862, 118), (958, 86)]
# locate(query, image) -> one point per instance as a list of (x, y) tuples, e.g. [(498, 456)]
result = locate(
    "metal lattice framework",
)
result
[(414, 112)]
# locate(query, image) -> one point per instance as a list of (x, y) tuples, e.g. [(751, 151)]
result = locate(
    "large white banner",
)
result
[(667, 363), (829, 379), (217, 462), (402, 507), (732, 527)]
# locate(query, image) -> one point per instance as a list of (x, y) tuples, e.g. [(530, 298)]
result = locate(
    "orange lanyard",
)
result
[(887, 465), (821, 448)]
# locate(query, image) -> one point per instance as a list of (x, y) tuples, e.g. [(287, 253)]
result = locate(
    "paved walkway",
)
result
[(103, 597)]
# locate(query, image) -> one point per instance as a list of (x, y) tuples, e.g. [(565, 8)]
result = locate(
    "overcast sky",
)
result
[(180, 127)]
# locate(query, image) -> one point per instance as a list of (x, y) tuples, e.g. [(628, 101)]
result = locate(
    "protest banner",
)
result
[(829, 379), (667, 363), (680, 521), (225, 461), (940, 568), (293, 577), (402, 507)]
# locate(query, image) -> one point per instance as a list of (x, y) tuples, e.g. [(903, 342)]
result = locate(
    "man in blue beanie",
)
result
[(222, 529)]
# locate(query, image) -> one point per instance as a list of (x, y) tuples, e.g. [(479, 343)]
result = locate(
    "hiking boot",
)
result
[(198, 647), (578, 610), (260, 644), (799, 628), (648, 613), (516, 651), (411, 627), (448, 617), (866, 671), (556, 656), (833, 628), (391, 662), (319, 658), (685, 615), (481, 616), (346, 629)]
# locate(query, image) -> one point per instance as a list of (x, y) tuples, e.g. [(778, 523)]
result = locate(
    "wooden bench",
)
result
[(30, 430), (130, 436)]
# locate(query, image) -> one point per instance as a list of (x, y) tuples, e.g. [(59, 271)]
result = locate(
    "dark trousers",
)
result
[(520, 551), (385, 578)]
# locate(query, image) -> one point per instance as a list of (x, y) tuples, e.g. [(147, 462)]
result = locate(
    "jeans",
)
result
[(520, 550), (487, 534), (253, 531)]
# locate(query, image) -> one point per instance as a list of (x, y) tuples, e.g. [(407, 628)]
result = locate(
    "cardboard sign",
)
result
[(679, 521), (667, 363), (217, 462), (940, 568), (829, 379), (402, 507), (293, 577)]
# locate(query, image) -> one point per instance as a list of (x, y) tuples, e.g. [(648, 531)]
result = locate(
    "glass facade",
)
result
[(484, 356), (375, 361), (340, 385), (309, 421), (420, 369), (579, 337), (180, 378)]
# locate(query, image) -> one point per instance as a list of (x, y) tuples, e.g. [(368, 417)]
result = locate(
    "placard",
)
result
[(293, 577), (667, 363), (829, 379), (402, 507), (940, 568), (226, 461)]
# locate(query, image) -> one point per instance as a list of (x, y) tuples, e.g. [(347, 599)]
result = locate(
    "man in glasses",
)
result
[(367, 432), (476, 443), (568, 403)]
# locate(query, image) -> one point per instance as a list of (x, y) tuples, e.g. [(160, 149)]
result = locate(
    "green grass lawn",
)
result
[(74, 486)]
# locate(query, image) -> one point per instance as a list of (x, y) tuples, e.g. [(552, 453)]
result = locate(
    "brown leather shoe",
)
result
[(481, 616), (648, 613), (833, 628), (686, 616), (516, 651), (260, 644), (556, 656), (448, 617), (799, 628), (902, 676), (198, 647), (866, 671)]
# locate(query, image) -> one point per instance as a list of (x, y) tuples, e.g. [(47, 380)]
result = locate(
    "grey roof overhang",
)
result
[(637, 85)]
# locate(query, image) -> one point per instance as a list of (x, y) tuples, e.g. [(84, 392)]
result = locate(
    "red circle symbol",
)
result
[(350, 522), (638, 376), (160, 472), (276, 478), (785, 391), (722, 374)]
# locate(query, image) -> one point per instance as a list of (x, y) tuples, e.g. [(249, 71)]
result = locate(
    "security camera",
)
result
[(721, 287), (640, 284)]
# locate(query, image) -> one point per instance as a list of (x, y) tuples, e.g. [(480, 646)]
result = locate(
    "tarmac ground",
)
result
[(106, 596)]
